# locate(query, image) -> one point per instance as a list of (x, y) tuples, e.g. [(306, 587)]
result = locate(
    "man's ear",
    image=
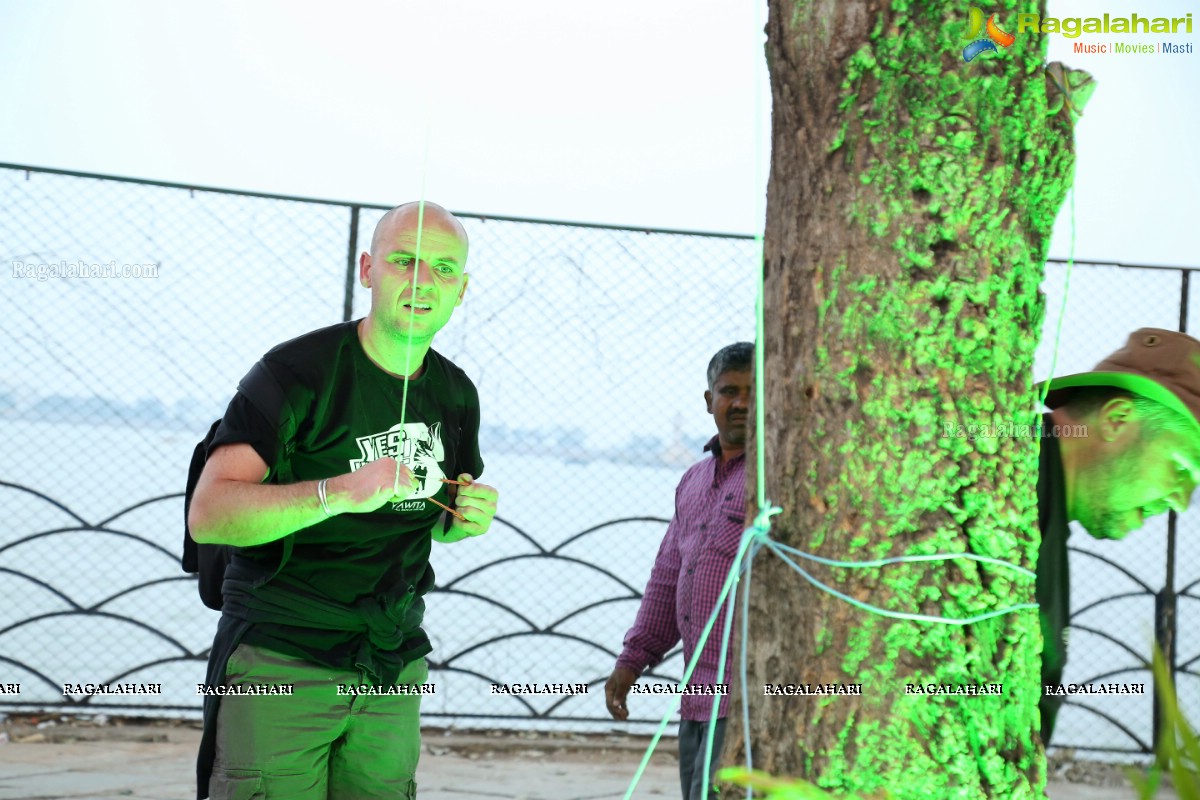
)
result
[(463, 289), (708, 400), (364, 269), (1115, 417)]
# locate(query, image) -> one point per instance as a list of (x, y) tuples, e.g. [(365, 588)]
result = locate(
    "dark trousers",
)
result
[(693, 740)]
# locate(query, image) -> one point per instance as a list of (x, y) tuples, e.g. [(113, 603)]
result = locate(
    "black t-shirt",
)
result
[(340, 412), (1053, 573)]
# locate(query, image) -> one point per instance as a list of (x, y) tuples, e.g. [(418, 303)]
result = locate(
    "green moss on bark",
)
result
[(945, 179)]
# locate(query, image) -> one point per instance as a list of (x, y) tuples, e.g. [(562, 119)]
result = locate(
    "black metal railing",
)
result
[(113, 382), (49, 690)]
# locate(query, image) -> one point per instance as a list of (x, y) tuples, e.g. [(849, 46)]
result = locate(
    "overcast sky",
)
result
[(638, 112), (633, 111)]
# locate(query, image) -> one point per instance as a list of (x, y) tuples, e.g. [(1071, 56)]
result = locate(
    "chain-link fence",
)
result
[(588, 345), (1124, 595)]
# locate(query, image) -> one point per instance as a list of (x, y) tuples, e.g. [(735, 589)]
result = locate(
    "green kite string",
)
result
[(1062, 309), (910, 559), (757, 536), (753, 538), (412, 306), (782, 551), (742, 658), (748, 536)]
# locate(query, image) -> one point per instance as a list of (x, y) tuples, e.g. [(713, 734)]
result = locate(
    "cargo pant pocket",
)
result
[(236, 784)]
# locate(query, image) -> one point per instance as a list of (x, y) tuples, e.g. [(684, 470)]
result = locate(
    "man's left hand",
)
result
[(476, 502)]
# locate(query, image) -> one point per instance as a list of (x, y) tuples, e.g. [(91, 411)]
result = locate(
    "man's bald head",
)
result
[(430, 215), (416, 272)]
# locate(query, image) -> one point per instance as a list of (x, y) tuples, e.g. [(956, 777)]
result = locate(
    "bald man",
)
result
[(1121, 445), (343, 455)]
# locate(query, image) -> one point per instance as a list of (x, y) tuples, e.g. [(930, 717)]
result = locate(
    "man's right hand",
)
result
[(384, 480), (616, 690), (232, 505)]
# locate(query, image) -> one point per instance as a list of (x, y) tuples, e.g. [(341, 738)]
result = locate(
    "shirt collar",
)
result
[(1052, 481), (714, 446)]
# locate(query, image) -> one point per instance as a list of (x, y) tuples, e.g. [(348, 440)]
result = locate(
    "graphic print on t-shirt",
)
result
[(415, 444)]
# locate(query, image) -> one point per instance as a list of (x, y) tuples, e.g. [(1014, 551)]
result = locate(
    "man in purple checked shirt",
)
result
[(692, 563)]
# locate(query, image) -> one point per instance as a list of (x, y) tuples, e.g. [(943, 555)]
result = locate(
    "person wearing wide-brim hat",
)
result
[(1121, 444)]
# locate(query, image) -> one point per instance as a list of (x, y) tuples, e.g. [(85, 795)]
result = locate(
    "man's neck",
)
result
[(729, 452), (400, 358)]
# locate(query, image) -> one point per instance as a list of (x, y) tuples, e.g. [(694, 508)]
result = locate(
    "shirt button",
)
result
[(690, 572), (703, 525), (685, 618)]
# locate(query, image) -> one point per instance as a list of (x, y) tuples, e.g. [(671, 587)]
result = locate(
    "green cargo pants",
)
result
[(319, 743)]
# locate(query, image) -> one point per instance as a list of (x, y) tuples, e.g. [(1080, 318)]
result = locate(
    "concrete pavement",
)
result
[(157, 763)]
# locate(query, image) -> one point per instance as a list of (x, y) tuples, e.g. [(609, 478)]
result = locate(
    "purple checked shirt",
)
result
[(689, 571)]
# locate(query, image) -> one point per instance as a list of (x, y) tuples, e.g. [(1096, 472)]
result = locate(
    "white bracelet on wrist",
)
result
[(321, 496)]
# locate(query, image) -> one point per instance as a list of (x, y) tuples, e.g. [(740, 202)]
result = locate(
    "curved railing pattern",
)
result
[(172, 637), (153, 624), (1139, 654)]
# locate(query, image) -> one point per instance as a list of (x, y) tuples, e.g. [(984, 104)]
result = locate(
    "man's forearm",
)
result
[(246, 514)]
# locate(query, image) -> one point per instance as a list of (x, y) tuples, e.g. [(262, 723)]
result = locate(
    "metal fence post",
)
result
[(351, 249), (1165, 601), (1164, 635)]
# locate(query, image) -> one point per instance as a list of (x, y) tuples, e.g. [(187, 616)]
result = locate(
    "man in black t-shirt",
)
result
[(1121, 444), (351, 449)]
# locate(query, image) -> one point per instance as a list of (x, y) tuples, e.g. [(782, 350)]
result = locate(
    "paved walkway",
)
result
[(478, 768)]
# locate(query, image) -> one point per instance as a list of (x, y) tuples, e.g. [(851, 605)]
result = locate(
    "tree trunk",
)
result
[(909, 212)]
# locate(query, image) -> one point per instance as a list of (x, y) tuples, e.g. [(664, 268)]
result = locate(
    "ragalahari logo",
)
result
[(992, 36)]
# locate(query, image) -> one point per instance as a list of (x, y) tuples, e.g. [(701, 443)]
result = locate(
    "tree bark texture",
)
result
[(909, 211)]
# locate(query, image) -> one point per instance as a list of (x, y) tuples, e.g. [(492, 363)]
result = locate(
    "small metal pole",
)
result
[(351, 265)]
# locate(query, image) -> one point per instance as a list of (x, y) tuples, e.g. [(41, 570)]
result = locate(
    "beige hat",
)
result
[(1155, 363)]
